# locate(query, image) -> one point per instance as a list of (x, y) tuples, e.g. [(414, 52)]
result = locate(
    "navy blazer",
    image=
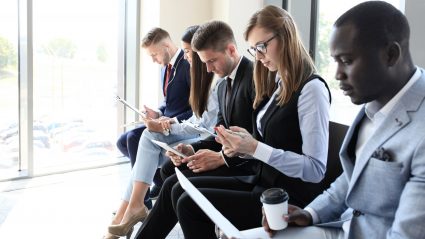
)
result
[(176, 101)]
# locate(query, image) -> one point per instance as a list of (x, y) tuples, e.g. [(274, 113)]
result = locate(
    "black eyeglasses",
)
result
[(261, 47)]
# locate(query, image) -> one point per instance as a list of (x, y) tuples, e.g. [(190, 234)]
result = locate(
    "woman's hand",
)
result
[(153, 125), (166, 123), (184, 149), (236, 141), (150, 113)]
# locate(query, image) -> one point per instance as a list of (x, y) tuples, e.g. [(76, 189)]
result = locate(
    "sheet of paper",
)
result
[(206, 206), (199, 128), (131, 107), (168, 148), (255, 233)]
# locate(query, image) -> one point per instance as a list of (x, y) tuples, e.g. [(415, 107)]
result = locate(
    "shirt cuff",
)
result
[(193, 150), (263, 152), (159, 112), (175, 129), (313, 214), (224, 158)]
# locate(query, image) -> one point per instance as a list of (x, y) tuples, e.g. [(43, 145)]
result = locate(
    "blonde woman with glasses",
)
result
[(290, 139)]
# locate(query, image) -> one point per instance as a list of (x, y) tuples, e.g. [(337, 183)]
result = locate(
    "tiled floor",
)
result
[(70, 205)]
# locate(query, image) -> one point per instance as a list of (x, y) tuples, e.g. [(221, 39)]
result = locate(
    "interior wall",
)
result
[(175, 16), (414, 11), (300, 12), (231, 13)]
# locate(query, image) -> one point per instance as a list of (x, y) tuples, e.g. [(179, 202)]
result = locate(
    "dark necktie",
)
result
[(228, 94), (167, 78)]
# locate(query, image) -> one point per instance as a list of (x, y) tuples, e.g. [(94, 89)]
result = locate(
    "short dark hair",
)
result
[(188, 33), (378, 23), (154, 36), (214, 35)]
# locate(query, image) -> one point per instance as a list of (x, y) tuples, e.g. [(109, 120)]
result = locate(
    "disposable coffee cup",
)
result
[(275, 204)]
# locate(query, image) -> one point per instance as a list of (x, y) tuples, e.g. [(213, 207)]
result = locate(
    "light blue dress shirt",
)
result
[(313, 115)]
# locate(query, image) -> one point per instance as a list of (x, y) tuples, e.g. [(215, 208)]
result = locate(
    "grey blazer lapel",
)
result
[(397, 118), (346, 159)]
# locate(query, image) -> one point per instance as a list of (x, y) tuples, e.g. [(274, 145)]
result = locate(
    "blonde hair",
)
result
[(154, 36), (296, 64)]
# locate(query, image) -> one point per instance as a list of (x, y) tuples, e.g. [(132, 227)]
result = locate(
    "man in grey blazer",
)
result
[(381, 191)]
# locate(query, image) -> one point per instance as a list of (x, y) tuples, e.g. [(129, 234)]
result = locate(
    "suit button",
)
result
[(357, 213)]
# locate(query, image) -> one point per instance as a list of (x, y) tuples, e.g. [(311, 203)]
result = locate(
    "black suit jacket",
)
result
[(176, 102), (241, 103)]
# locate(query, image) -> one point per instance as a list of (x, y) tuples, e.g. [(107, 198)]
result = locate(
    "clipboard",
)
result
[(168, 148), (131, 107)]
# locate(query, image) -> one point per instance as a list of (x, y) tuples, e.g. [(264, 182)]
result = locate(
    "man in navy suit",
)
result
[(175, 79)]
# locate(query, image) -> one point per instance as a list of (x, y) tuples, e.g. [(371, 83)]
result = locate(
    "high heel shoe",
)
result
[(111, 236), (123, 228)]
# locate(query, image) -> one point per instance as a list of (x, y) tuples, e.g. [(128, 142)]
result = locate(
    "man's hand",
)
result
[(236, 141), (150, 113), (185, 149), (204, 160), (295, 216)]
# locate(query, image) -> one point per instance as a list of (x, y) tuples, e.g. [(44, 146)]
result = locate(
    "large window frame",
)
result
[(128, 78)]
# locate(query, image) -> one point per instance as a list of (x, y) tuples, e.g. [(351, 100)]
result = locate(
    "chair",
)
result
[(333, 169)]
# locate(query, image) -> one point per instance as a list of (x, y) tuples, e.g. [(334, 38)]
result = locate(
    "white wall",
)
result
[(300, 12), (236, 13), (175, 16), (414, 11)]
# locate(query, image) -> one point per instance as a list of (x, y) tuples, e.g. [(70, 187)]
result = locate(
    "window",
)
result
[(9, 97), (342, 110), (75, 83)]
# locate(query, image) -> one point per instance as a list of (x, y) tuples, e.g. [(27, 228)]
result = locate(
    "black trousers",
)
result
[(239, 202), (162, 218)]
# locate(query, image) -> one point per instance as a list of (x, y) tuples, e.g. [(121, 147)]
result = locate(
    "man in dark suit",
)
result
[(215, 44), (175, 78)]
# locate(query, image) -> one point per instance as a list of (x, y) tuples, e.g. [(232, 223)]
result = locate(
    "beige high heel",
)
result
[(111, 236), (124, 228)]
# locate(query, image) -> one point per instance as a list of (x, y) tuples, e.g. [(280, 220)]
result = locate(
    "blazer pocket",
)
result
[(385, 165), (386, 179)]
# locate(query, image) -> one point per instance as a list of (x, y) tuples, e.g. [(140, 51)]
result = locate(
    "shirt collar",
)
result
[(373, 109), (174, 58), (232, 75)]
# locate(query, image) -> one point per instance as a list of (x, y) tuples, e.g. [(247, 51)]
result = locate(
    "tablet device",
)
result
[(168, 148), (199, 128)]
